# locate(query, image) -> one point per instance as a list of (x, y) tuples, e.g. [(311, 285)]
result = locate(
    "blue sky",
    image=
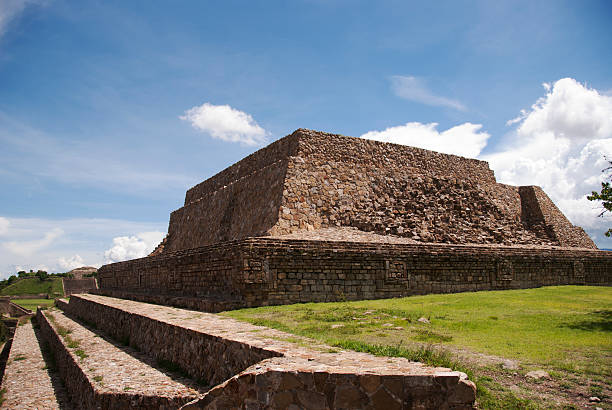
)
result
[(97, 145)]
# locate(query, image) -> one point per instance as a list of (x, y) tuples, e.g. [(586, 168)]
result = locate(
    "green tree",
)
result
[(605, 196), (42, 275)]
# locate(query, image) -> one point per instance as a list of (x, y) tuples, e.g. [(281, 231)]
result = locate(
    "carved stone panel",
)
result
[(256, 270), (395, 271), (579, 271), (505, 270)]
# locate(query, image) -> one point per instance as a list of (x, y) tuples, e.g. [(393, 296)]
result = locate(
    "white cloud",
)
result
[(4, 225), (10, 10), (131, 247), (85, 237), (68, 264), (559, 144), (225, 123), (28, 248), (464, 139), (413, 89)]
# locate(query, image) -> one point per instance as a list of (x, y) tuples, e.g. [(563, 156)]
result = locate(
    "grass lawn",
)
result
[(33, 303), (565, 330), (34, 286)]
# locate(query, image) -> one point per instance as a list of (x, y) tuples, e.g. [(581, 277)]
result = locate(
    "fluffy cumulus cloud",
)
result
[(413, 89), (225, 123), (560, 144), (64, 244), (131, 247), (4, 226), (67, 264), (466, 139), (29, 248)]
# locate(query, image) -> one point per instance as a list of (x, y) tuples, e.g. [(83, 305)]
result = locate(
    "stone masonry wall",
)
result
[(253, 367), (273, 271), (278, 150), (310, 180), (218, 359), (246, 207), (83, 285), (556, 224)]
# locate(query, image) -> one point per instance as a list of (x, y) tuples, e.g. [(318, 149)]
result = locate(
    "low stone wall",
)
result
[(61, 303), (283, 383), (218, 359), (256, 367), (13, 309), (266, 271), (11, 326)]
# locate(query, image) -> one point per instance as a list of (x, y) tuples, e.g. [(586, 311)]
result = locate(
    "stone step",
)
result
[(28, 383), (101, 374), (249, 365)]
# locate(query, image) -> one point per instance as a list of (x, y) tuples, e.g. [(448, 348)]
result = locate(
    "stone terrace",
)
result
[(243, 365)]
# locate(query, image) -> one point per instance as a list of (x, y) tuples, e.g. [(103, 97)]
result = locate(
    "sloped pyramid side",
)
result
[(311, 180)]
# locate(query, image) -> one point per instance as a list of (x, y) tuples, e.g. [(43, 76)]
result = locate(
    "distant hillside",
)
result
[(34, 286)]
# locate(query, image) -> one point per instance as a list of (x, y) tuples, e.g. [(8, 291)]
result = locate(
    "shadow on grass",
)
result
[(599, 320)]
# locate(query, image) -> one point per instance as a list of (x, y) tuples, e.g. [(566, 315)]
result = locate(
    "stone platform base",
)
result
[(254, 367), (267, 271)]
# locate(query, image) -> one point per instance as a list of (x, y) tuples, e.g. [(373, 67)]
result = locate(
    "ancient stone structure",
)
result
[(238, 364), (79, 273), (311, 180), (83, 285), (323, 217)]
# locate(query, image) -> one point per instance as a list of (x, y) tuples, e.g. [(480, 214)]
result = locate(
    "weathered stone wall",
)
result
[(543, 215), (83, 285), (245, 207), (213, 272), (311, 180), (218, 359), (285, 384), (264, 271), (279, 150), (249, 366)]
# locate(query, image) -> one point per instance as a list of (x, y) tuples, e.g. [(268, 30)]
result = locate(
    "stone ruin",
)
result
[(311, 217), (324, 217)]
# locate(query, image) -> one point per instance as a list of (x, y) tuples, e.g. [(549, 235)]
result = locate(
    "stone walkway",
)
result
[(27, 381)]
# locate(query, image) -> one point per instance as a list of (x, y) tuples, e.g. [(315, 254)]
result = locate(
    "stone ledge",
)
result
[(281, 382), (108, 377), (253, 364)]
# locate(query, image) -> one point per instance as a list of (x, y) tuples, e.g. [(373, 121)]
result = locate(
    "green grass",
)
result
[(32, 304), (563, 329), (34, 286), (561, 326)]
